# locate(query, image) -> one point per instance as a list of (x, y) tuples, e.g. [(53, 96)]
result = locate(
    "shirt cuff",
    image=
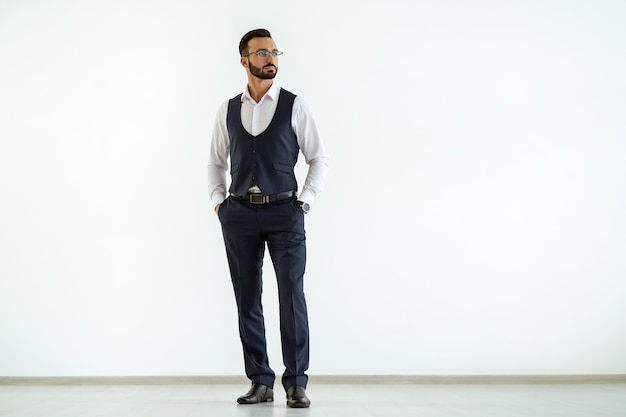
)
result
[(306, 197), (218, 198)]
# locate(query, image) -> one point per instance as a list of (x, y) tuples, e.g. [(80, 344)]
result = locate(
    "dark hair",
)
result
[(256, 33)]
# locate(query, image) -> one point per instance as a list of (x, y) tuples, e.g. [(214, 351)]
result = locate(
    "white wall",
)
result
[(473, 220)]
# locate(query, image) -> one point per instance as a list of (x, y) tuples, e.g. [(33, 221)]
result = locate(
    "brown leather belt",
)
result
[(255, 198)]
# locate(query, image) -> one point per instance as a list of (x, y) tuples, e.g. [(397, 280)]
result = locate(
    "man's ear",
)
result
[(244, 62)]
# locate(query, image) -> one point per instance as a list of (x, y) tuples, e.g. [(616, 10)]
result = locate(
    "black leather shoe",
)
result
[(258, 394), (296, 398)]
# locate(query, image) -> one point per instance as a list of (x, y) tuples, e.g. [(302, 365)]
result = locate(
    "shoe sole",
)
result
[(265, 400), (298, 405)]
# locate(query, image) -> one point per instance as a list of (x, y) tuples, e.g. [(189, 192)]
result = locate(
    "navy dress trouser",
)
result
[(247, 228)]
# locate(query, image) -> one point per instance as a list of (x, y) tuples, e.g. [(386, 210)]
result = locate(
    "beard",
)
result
[(258, 71)]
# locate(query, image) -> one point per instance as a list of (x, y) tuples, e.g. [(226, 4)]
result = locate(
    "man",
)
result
[(262, 131)]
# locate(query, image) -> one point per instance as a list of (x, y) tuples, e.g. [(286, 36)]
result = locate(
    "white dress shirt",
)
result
[(255, 118)]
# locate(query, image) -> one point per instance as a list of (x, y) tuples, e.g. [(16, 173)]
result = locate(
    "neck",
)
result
[(258, 87)]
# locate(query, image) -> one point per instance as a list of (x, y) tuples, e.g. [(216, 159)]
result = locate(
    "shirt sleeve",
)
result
[(218, 157), (312, 147)]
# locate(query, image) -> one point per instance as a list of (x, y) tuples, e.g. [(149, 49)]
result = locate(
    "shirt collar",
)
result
[(272, 94)]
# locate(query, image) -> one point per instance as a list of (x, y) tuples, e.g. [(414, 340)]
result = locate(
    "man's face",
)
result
[(264, 68)]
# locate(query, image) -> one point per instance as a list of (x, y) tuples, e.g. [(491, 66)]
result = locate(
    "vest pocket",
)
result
[(282, 167), (234, 167)]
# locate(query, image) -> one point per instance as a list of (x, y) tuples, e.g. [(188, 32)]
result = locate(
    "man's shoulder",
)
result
[(237, 97), (287, 92), (287, 97)]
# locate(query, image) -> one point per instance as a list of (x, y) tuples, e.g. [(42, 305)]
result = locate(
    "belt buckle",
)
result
[(257, 198)]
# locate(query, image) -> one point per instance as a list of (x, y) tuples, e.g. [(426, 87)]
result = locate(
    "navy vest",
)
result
[(266, 160)]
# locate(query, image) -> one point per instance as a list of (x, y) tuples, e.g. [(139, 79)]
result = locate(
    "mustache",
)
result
[(270, 65)]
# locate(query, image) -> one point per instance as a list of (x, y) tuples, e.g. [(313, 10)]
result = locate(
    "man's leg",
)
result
[(245, 249), (283, 227)]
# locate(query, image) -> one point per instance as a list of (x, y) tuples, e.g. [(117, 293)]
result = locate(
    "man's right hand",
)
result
[(217, 208)]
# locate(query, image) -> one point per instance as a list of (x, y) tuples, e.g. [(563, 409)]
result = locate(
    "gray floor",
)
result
[(328, 400)]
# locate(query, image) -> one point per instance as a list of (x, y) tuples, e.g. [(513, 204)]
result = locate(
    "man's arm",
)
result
[(218, 158), (312, 147)]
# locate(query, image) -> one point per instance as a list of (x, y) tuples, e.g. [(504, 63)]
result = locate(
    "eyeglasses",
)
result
[(264, 53)]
